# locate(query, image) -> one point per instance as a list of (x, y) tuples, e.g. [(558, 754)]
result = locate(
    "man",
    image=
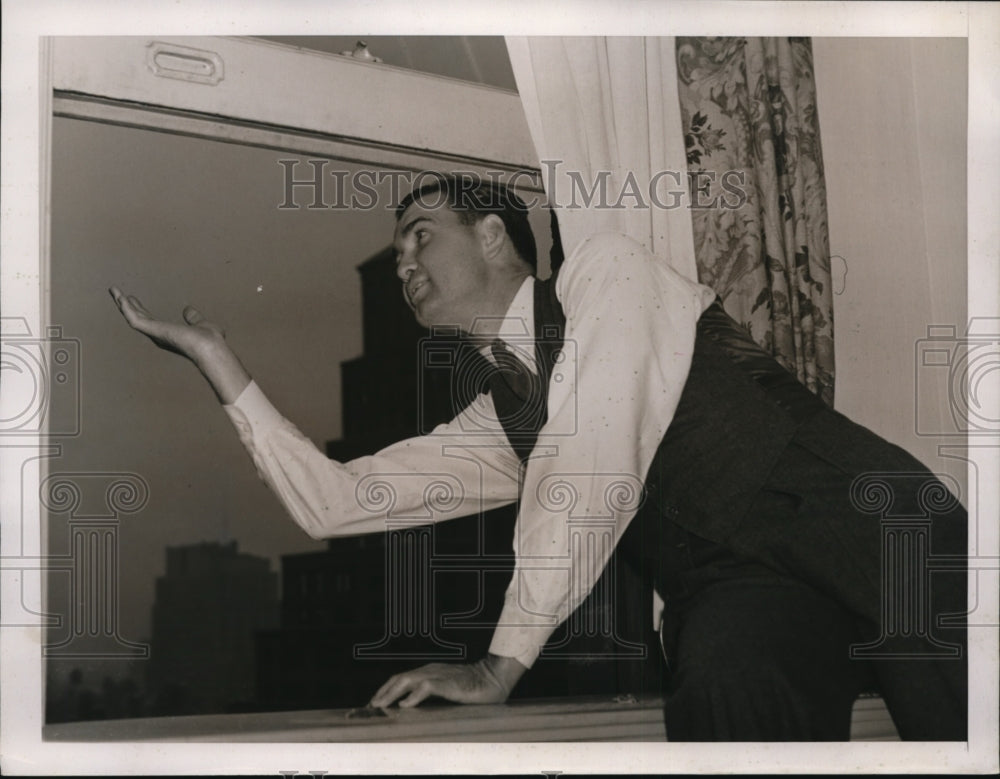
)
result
[(734, 490)]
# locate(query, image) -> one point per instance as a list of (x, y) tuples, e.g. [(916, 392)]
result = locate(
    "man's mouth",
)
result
[(412, 289)]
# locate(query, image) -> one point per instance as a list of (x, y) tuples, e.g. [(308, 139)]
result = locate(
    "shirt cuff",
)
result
[(253, 409), (520, 634)]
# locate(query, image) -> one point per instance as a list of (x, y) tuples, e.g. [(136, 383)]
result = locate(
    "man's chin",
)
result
[(424, 317)]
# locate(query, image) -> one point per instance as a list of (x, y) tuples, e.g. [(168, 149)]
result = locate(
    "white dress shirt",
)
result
[(629, 337)]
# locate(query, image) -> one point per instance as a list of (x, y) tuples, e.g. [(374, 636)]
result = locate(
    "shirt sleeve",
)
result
[(629, 340), (460, 468)]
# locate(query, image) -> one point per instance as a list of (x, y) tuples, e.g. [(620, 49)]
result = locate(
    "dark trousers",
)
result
[(759, 630)]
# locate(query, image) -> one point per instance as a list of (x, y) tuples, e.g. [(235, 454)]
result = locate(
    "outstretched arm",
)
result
[(469, 463), (201, 341), (327, 498)]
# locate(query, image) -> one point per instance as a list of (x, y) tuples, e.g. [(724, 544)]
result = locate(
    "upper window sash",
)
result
[(239, 80)]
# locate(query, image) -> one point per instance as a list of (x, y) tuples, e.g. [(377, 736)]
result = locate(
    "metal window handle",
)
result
[(168, 60)]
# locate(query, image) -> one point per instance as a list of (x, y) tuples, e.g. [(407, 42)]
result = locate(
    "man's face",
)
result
[(440, 262)]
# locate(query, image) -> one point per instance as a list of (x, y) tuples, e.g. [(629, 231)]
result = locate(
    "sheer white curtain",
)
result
[(605, 119), (609, 107)]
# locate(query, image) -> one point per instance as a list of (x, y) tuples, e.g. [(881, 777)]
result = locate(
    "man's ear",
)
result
[(493, 235)]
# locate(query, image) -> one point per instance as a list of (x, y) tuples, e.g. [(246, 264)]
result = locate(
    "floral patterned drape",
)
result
[(752, 140)]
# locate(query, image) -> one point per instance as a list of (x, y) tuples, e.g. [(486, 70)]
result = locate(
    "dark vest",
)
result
[(737, 413)]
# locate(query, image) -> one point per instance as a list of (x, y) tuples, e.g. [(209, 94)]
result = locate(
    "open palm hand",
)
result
[(200, 340)]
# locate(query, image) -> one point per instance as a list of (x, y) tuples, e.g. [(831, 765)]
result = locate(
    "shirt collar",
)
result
[(517, 328)]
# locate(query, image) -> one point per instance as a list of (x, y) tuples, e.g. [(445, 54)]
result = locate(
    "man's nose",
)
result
[(404, 267)]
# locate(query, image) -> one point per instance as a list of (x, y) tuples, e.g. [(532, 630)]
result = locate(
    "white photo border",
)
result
[(28, 22)]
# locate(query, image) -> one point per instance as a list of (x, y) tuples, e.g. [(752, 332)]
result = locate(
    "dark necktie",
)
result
[(519, 400), (515, 373)]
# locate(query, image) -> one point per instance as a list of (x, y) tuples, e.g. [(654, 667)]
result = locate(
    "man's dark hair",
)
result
[(472, 199)]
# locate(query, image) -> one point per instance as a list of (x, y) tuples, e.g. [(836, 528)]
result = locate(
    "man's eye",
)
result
[(420, 234)]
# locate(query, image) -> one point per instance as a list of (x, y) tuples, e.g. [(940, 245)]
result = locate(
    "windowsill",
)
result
[(575, 719)]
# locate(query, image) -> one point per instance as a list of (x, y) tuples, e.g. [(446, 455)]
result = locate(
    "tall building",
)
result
[(209, 605)]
